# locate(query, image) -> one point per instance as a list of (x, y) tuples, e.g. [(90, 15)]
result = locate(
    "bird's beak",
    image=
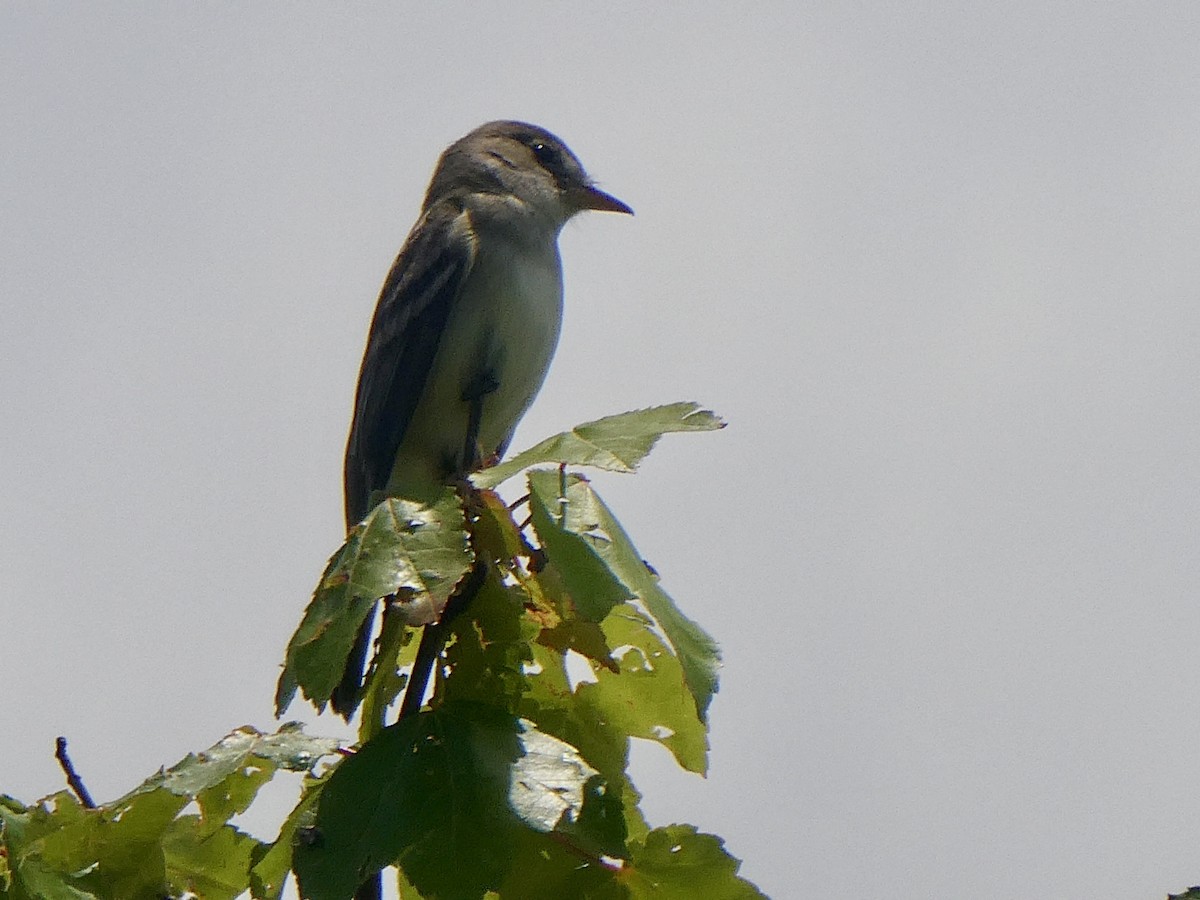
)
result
[(591, 197)]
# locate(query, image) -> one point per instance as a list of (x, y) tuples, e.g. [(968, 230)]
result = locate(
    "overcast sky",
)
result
[(935, 263)]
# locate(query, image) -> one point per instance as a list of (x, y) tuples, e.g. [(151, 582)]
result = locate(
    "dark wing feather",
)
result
[(410, 317), (409, 320)]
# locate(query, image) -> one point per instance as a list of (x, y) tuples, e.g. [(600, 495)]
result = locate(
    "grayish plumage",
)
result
[(468, 317)]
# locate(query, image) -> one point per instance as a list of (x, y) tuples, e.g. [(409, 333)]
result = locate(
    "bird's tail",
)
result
[(344, 699)]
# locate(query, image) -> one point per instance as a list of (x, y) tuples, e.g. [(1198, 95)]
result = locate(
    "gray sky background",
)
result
[(935, 263)]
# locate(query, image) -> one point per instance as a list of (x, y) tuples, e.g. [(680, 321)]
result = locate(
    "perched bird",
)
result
[(465, 326)]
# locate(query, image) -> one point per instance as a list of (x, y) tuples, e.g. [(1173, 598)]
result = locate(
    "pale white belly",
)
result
[(505, 324)]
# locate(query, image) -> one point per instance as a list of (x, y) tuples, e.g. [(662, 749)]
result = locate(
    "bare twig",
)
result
[(73, 779)]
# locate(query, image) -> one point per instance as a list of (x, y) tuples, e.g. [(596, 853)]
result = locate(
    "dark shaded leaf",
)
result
[(428, 790), (385, 681), (547, 869), (445, 794), (585, 638), (488, 650)]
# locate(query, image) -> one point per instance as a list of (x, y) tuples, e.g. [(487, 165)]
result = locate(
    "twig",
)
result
[(434, 637), (73, 779)]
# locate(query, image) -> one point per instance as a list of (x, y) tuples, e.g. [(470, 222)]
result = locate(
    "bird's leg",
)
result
[(481, 385), (470, 454)]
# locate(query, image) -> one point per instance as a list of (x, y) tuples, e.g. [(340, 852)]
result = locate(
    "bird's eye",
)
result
[(547, 155)]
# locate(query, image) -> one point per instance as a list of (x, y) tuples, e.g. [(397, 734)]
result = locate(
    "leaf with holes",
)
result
[(413, 552)]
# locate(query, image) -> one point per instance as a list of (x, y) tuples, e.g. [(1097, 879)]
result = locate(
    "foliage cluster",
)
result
[(510, 782)]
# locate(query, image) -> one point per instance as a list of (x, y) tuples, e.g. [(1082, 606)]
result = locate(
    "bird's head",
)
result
[(519, 163)]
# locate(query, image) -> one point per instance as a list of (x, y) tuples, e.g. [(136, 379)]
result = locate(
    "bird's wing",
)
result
[(410, 317)]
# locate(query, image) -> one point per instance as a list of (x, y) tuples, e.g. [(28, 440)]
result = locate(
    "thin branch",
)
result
[(434, 637), (73, 780)]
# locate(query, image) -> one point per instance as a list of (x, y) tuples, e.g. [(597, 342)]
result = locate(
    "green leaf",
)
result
[(488, 650), (414, 553), (585, 638), (546, 869), (493, 527), (137, 846), (13, 818), (202, 775), (615, 443), (566, 515), (444, 794), (557, 711), (140, 846), (598, 562), (36, 882), (648, 698), (122, 847), (678, 863), (552, 788), (209, 864), (24, 830), (290, 748), (232, 795), (430, 793)]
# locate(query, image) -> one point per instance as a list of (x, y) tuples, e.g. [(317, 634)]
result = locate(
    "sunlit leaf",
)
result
[(648, 698), (567, 517), (599, 564), (552, 788), (678, 863), (208, 864), (615, 443), (288, 748), (407, 550)]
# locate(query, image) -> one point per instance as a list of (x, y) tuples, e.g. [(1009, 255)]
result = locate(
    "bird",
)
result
[(465, 326)]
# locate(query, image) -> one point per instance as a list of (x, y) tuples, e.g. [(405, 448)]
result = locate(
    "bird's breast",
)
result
[(501, 334), (512, 318)]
